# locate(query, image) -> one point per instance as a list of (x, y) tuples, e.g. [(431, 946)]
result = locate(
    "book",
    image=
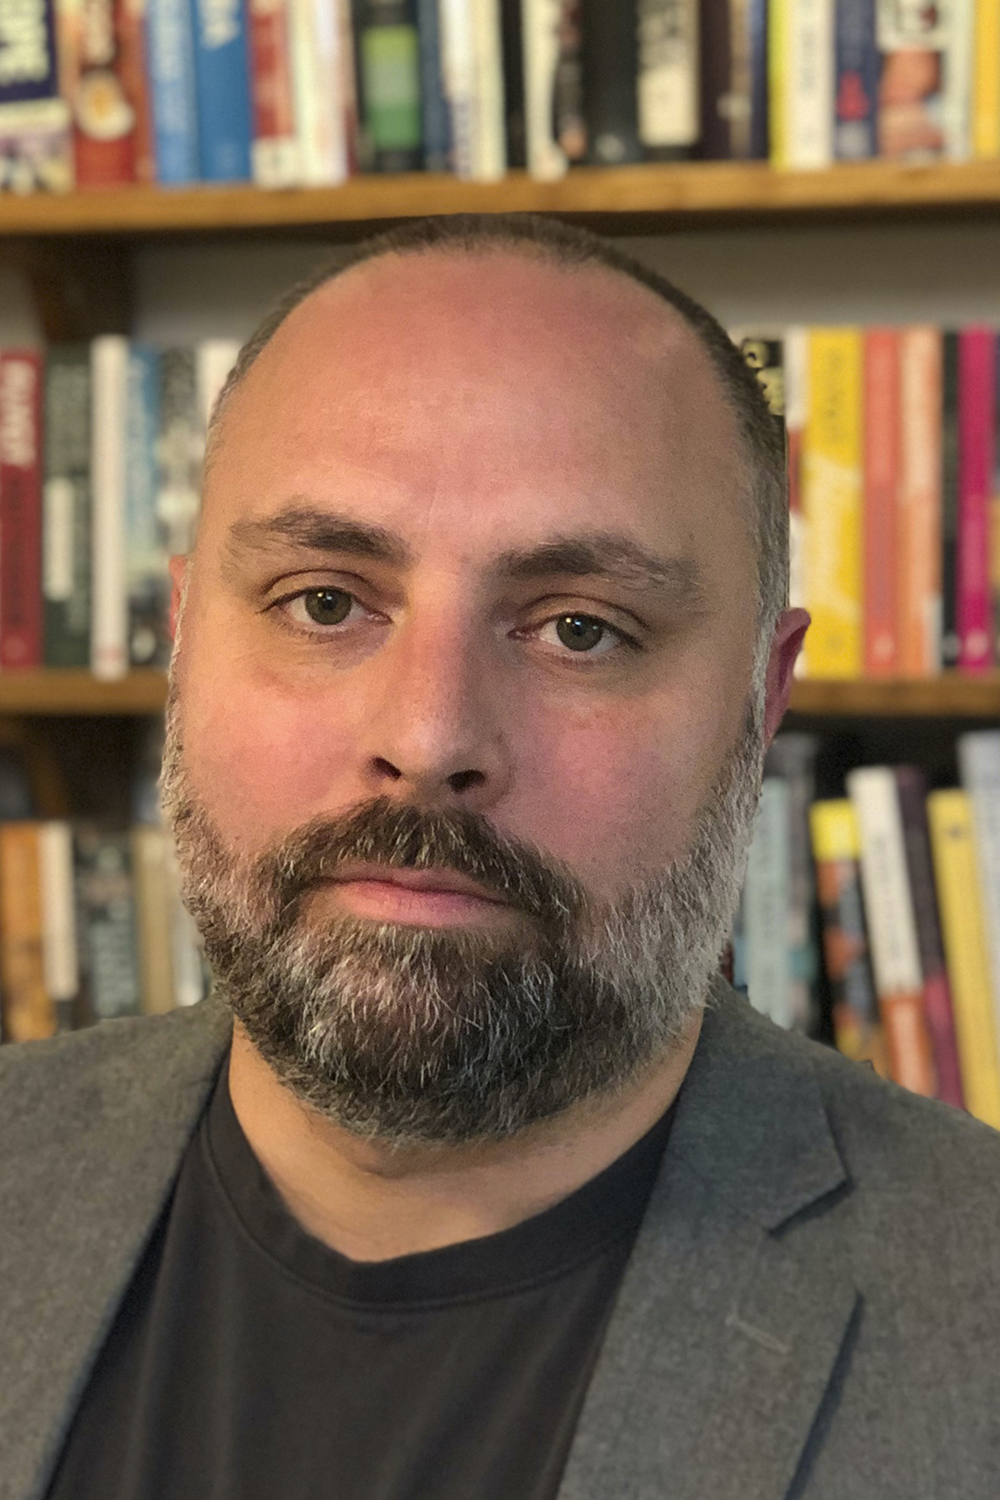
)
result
[(803, 81), (911, 788), (66, 507), (949, 815), (668, 103), (795, 382), (610, 69), (26, 1007), (106, 930), (836, 844), (950, 640), (546, 157), (856, 81), (274, 154), (222, 89), (885, 883), (387, 52), (978, 753), (20, 509), (766, 891), (133, 31), (512, 70), (956, 94), (153, 919), (985, 122), (322, 78), (489, 113), (879, 509), (102, 75), (60, 961), (918, 570), (179, 451), (435, 126), (109, 409), (172, 90), (147, 579), (36, 150), (732, 89), (994, 520), (792, 757), (832, 502), (214, 358), (911, 40), (976, 417)]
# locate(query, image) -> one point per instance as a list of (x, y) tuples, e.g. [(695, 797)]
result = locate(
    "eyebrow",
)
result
[(318, 531)]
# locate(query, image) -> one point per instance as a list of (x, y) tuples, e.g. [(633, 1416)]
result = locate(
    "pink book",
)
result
[(976, 398)]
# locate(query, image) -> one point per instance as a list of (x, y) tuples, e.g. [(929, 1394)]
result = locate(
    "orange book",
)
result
[(919, 541), (27, 1008), (881, 479)]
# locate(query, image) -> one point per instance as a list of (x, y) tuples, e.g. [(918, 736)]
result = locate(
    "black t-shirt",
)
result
[(249, 1361)]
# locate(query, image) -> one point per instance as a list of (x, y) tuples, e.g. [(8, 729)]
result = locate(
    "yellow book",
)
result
[(832, 483), (777, 80), (986, 81), (950, 816)]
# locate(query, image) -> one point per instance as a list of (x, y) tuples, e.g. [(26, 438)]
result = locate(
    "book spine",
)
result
[(178, 451), (950, 641), (758, 45), (20, 509), (512, 68), (148, 582), (60, 960), (795, 355), (779, 26), (152, 903), (134, 68), (765, 907), (36, 134), (318, 79), (172, 90), (810, 84), (976, 416), (388, 65), (458, 64), (958, 80), (106, 904), (881, 482), (547, 160), (836, 843), (29, 61), (985, 130), (979, 769), (857, 78), (919, 515), (949, 814), (187, 960), (994, 518), (222, 83), (892, 927), (214, 359), (25, 1004), (109, 404), (435, 129), (668, 103), (911, 788), (610, 70), (792, 757), (721, 75), (106, 118), (66, 508), (275, 150), (490, 133), (832, 502), (911, 42)]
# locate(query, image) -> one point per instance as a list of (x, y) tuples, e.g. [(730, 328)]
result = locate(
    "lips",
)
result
[(446, 882)]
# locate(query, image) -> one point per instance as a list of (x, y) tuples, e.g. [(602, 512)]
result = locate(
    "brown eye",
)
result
[(580, 632), (327, 606)]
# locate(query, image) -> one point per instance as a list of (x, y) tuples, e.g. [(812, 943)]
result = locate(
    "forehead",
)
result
[(539, 393)]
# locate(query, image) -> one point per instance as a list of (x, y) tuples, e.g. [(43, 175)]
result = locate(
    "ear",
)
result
[(789, 633), (178, 569)]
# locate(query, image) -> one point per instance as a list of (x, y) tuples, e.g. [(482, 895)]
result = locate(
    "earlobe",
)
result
[(789, 633), (178, 572)]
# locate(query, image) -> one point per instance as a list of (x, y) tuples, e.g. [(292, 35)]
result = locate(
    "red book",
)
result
[(880, 612), (106, 86), (275, 145), (976, 398), (20, 509)]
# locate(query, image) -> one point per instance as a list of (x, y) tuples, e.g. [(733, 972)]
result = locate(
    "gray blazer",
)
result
[(812, 1308)]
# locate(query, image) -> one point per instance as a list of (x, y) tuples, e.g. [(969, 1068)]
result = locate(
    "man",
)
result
[(490, 1189)]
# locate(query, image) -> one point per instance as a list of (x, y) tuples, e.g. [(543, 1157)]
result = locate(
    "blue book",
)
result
[(222, 83), (436, 121), (856, 82), (170, 32)]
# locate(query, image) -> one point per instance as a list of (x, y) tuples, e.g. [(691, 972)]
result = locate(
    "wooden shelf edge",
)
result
[(684, 189), (78, 692)]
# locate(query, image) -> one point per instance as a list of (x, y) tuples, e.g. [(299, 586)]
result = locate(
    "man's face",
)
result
[(474, 544)]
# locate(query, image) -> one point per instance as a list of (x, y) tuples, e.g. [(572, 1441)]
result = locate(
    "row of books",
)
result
[(91, 927), (894, 492), (101, 450), (901, 885), (292, 92)]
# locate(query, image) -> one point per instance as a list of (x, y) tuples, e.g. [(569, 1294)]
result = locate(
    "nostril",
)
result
[(386, 768), (461, 781)]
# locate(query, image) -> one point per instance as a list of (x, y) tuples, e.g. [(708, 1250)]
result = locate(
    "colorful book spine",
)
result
[(994, 565), (25, 1005), (222, 85), (985, 128), (153, 919), (912, 40), (101, 71), (147, 580), (36, 149), (979, 769), (109, 406), (20, 509), (179, 450), (950, 640), (60, 959), (733, 79), (547, 160), (66, 507), (172, 90), (668, 102), (832, 487), (892, 927), (881, 483), (949, 814), (856, 85), (976, 416), (134, 71), (809, 84), (911, 787), (275, 150), (610, 68), (918, 573), (107, 931), (836, 844), (434, 124), (792, 758), (765, 907), (388, 63), (319, 74), (778, 62), (795, 355)]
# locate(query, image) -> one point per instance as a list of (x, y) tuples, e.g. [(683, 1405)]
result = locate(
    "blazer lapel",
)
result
[(733, 1311), (93, 1132)]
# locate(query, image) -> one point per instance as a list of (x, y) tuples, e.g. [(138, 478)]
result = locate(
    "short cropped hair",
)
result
[(566, 245)]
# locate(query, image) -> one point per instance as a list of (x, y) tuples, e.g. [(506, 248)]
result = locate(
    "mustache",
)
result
[(405, 837)]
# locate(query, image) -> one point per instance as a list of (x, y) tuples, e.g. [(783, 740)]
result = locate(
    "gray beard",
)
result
[(409, 1035)]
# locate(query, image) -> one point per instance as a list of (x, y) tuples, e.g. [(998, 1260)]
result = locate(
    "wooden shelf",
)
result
[(683, 191), (144, 692)]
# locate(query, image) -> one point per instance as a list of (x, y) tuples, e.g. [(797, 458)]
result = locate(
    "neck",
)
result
[(372, 1202)]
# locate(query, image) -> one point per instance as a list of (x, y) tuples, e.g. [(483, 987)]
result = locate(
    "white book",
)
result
[(214, 359), (811, 67), (316, 35), (60, 959), (957, 92), (766, 895), (489, 161), (458, 77), (540, 44), (109, 588), (885, 882), (667, 87), (979, 769)]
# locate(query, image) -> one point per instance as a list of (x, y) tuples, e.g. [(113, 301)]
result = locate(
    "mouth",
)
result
[(425, 898)]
